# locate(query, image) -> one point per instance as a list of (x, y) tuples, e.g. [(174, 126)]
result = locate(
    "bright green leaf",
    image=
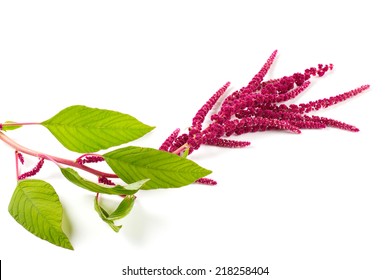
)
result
[(103, 215), (36, 206), (85, 130), (120, 212), (9, 125), (76, 179), (123, 208), (165, 170)]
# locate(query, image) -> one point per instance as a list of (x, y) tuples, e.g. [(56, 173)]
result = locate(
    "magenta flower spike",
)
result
[(33, 171), (20, 157), (220, 142), (260, 106), (206, 181), (169, 141), (106, 181), (87, 158)]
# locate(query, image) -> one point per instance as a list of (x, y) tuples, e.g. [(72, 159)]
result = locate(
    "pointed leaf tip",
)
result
[(36, 206), (85, 130), (164, 169), (76, 179)]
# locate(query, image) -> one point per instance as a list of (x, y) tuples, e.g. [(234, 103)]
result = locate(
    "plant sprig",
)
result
[(35, 204), (259, 106)]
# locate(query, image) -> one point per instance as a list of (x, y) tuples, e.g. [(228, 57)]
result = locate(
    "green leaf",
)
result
[(120, 212), (123, 209), (165, 170), (83, 129), (76, 179), (103, 215), (185, 153), (9, 125), (36, 206)]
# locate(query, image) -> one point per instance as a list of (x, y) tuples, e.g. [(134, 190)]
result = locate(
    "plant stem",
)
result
[(54, 159), (19, 124), (181, 149), (17, 165)]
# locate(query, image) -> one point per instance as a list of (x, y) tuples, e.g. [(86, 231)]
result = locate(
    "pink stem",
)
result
[(55, 159), (180, 149), (17, 165)]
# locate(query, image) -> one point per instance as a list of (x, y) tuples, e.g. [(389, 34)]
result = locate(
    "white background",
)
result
[(308, 206)]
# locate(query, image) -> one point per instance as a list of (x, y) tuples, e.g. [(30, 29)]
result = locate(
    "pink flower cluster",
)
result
[(106, 181), (33, 171), (258, 107), (89, 158)]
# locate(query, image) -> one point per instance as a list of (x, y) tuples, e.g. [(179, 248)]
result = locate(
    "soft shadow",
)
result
[(66, 224), (140, 225)]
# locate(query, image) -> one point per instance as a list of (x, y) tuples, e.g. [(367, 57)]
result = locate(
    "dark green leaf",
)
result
[(165, 170), (83, 129), (76, 179), (36, 206)]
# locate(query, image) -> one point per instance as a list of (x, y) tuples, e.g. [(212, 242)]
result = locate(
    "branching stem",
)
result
[(57, 160)]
